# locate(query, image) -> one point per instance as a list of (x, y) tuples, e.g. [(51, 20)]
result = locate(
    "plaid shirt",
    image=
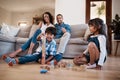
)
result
[(51, 48)]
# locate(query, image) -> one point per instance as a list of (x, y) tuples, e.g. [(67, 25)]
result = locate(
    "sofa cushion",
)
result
[(24, 31), (9, 30), (78, 30), (5, 38), (80, 41), (21, 40), (33, 29)]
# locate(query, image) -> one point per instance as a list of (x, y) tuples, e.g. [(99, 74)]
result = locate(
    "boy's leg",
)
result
[(94, 52), (58, 58), (28, 58)]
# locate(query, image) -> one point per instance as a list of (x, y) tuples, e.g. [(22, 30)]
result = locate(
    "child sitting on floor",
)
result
[(95, 54), (50, 48)]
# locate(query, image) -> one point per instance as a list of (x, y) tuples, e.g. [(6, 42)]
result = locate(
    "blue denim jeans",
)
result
[(33, 39), (31, 58), (58, 57)]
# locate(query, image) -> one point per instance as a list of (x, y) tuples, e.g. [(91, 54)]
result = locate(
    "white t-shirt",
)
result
[(44, 26)]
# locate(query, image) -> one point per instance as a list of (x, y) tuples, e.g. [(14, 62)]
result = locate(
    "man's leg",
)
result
[(63, 42)]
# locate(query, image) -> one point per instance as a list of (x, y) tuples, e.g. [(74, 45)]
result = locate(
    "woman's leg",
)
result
[(30, 43), (23, 48), (94, 52), (34, 40)]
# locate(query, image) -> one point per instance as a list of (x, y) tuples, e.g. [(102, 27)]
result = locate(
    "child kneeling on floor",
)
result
[(95, 54), (50, 47)]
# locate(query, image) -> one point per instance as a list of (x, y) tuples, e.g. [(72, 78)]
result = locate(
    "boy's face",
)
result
[(49, 36)]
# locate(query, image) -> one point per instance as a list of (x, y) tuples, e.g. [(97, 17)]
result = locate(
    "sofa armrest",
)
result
[(5, 38)]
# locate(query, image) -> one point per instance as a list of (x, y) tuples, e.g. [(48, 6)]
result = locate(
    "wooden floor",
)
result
[(30, 71)]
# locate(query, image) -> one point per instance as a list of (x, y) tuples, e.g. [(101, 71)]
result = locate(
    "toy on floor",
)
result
[(43, 71)]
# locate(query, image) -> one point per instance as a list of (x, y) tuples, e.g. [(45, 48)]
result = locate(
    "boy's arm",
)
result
[(48, 60)]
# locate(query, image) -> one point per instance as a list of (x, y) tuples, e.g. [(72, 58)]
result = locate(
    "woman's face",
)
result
[(46, 18)]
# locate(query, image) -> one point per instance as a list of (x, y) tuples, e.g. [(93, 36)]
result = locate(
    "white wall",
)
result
[(28, 16), (115, 7), (73, 10), (115, 10), (5, 16)]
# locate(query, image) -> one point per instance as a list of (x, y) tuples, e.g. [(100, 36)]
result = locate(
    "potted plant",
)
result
[(115, 27)]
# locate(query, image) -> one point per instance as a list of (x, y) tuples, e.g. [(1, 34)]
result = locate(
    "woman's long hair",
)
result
[(50, 17)]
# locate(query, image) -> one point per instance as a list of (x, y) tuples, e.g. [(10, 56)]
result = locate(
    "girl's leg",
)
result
[(80, 60), (94, 52)]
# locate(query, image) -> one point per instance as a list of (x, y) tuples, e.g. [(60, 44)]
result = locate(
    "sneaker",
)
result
[(89, 66)]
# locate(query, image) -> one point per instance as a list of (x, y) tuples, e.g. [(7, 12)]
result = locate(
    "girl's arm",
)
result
[(103, 51)]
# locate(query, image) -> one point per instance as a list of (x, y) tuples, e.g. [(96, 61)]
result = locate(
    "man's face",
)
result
[(59, 19), (49, 36)]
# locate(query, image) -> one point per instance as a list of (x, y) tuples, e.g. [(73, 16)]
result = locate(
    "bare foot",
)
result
[(12, 55), (4, 57), (10, 64)]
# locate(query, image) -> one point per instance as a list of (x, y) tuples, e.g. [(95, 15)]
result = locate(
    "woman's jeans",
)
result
[(33, 39)]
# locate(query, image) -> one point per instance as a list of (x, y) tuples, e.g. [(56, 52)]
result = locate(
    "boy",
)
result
[(50, 33)]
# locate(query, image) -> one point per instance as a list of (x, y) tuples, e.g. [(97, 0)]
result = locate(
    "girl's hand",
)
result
[(98, 67)]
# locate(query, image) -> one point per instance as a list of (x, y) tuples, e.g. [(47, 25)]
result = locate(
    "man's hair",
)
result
[(51, 30), (60, 15)]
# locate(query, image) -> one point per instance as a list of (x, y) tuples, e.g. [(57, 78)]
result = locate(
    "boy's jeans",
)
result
[(30, 58), (32, 39)]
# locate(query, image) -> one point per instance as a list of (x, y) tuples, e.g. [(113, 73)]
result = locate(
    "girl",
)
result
[(95, 54), (47, 21)]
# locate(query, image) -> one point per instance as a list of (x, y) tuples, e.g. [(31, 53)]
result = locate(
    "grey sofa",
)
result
[(75, 45)]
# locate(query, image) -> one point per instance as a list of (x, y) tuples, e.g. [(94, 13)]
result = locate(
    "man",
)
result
[(63, 33)]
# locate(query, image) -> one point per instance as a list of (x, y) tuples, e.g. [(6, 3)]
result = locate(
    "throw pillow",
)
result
[(9, 30)]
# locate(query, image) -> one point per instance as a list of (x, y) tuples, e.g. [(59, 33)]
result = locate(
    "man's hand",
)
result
[(63, 30)]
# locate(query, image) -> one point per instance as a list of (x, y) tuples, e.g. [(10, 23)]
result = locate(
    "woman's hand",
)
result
[(40, 24)]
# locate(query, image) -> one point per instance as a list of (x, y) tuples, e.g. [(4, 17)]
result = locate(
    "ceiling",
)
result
[(26, 5)]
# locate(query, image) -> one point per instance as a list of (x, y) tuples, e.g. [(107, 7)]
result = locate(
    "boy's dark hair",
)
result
[(51, 30), (50, 17)]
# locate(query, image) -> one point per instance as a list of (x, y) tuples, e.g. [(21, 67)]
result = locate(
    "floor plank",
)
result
[(111, 71)]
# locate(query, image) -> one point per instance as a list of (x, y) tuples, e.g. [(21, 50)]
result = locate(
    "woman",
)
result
[(46, 22)]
